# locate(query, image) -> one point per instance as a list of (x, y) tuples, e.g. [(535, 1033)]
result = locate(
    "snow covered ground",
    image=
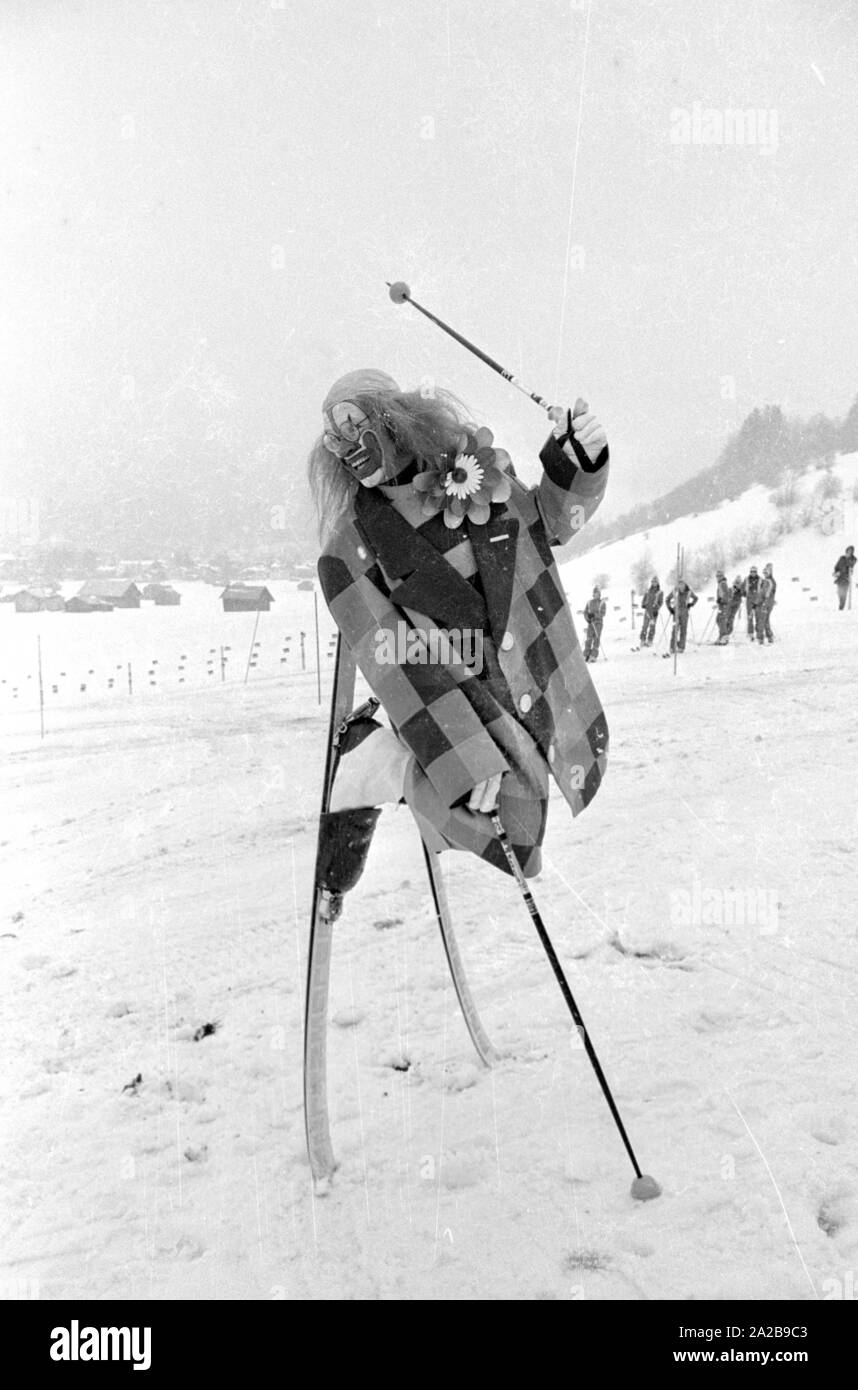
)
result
[(86, 656), (156, 874)]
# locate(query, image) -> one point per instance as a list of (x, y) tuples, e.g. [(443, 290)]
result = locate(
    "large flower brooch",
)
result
[(465, 480)]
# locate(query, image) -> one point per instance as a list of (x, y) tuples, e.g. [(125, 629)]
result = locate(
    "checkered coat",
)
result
[(535, 711)]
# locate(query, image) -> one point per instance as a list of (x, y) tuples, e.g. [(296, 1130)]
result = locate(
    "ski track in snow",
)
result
[(156, 879)]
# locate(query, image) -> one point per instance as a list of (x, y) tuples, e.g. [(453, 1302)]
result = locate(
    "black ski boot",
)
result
[(345, 836)]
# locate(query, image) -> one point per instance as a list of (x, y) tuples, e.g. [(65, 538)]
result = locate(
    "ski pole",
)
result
[(706, 628), (399, 293), (664, 630), (643, 1187), (674, 641)]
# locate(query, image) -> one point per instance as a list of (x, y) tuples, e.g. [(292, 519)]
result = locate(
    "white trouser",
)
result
[(372, 774)]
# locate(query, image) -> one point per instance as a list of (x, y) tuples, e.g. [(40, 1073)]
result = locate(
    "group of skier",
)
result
[(758, 593), (679, 603), (756, 590)]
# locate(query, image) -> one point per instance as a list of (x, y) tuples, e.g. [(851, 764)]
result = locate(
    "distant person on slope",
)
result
[(594, 612), (680, 601), (651, 604), (843, 575), (722, 608), (768, 589), (737, 593), (752, 594)]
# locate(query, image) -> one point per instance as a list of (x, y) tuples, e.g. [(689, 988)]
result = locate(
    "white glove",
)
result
[(484, 797), (589, 433)]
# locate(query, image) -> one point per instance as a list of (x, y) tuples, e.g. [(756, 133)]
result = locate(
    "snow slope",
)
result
[(156, 872), (745, 524)]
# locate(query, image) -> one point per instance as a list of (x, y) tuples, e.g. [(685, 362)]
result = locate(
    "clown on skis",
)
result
[(427, 533)]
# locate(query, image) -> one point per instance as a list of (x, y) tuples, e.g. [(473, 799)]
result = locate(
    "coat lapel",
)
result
[(427, 582), (494, 546)]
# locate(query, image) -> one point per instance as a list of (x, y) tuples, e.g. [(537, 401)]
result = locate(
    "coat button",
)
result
[(361, 552), (525, 703), (507, 641), (552, 752)]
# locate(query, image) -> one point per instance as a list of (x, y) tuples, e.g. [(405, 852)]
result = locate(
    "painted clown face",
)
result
[(349, 435)]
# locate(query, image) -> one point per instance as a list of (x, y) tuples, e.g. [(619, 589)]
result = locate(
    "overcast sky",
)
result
[(231, 182)]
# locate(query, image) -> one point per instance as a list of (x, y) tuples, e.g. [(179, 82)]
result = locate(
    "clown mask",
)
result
[(365, 448)]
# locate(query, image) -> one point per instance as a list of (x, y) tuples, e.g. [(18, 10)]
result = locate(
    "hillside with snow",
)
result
[(800, 527)]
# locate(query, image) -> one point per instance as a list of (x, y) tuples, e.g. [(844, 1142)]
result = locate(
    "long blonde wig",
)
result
[(422, 429)]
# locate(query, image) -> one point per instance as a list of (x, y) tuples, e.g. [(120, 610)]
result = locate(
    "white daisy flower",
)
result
[(465, 477)]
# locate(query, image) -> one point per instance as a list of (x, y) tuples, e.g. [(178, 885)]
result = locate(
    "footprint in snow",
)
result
[(660, 952), (184, 1091), (34, 962), (836, 1212), (713, 1021), (591, 1260), (392, 1058), (461, 1170), (461, 1077), (348, 1018), (37, 1088), (188, 1033), (824, 1125)]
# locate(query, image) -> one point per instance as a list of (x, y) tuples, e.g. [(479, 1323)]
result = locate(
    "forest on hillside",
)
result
[(768, 449)]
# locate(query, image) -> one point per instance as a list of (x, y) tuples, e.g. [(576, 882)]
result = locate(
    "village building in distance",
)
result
[(246, 598)]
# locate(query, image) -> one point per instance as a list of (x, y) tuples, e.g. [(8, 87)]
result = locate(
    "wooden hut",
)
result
[(87, 605), (162, 595), (117, 593), (246, 598), (38, 601), (27, 602)]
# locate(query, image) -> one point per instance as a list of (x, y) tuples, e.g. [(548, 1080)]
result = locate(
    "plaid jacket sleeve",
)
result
[(569, 491), (435, 709)]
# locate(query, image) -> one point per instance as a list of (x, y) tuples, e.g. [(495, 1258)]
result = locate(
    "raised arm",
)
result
[(575, 460)]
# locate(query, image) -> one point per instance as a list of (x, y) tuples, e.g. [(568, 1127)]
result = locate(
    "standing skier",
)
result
[(843, 575), (722, 608), (768, 589), (680, 601), (594, 612), (429, 538), (651, 603), (737, 593), (752, 594)]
